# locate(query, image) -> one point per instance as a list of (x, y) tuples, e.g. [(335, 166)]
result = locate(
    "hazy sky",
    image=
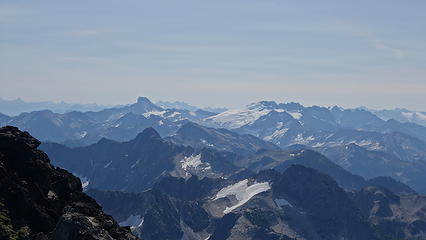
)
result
[(215, 53)]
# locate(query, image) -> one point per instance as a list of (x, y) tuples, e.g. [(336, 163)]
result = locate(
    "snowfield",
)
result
[(239, 117), (135, 222), (191, 161), (242, 192)]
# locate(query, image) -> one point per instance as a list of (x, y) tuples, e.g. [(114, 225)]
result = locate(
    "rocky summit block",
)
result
[(39, 201)]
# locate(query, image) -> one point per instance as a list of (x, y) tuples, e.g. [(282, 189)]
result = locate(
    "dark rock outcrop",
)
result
[(39, 201), (393, 217), (391, 184)]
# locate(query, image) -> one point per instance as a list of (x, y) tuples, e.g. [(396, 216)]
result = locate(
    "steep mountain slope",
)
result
[(299, 203), (197, 136), (281, 160), (373, 163), (137, 164), (38, 201), (393, 217), (391, 184)]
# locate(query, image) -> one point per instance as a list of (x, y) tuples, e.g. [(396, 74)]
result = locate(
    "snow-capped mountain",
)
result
[(402, 115), (119, 123), (292, 123)]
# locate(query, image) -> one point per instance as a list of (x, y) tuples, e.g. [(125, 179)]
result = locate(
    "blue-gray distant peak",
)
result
[(148, 133)]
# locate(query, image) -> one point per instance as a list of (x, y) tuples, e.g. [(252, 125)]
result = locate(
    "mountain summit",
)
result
[(39, 201)]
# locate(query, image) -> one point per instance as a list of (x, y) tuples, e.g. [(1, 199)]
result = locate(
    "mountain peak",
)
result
[(10, 133), (47, 202), (144, 105), (148, 133), (143, 100)]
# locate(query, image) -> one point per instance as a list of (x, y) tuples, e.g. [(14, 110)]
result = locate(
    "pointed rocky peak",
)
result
[(191, 128), (143, 100), (148, 133), (105, 141), (144, 105)]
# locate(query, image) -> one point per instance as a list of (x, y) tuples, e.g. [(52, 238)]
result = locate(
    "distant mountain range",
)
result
[(185, 106), (401, 114), (210, 177), (351, 138), (18, 106)]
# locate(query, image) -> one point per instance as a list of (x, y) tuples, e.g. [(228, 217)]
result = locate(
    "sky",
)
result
[(215, 53)]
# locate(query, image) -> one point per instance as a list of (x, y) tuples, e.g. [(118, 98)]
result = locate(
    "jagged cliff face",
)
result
[(39, 201)]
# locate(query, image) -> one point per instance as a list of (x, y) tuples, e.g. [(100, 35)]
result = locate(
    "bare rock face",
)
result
[(39, 201)]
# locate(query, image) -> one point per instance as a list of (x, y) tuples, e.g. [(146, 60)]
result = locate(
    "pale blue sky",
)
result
[(215, 53)]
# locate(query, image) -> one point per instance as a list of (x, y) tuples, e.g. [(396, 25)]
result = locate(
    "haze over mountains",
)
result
[(18, 106), (265, 171)]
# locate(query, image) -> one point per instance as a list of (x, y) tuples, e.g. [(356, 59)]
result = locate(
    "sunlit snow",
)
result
[(158, 113), (296, 115), (242, 192), (240, 117), (277, 134), (191, 161), (135, 222)]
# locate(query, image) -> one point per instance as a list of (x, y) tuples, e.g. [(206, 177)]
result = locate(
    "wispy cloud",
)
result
[(394, 51), (85, 59), (85, 33)]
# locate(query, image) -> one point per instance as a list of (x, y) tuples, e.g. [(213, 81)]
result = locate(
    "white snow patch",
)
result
[(191, 161), (84, 182), (277, 134), (421, 116), (158, 113), (82, 134), (174, 114), (134, 164), (282, 202), (239, 117), (107, 165), (242, 192), (301, 140), (310, 138), (207, 144), (132, 220), (414, 116), (207, 238), (296, 115), (135, 222)]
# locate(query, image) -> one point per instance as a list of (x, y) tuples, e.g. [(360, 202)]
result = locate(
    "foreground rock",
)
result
[(39, 201)]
